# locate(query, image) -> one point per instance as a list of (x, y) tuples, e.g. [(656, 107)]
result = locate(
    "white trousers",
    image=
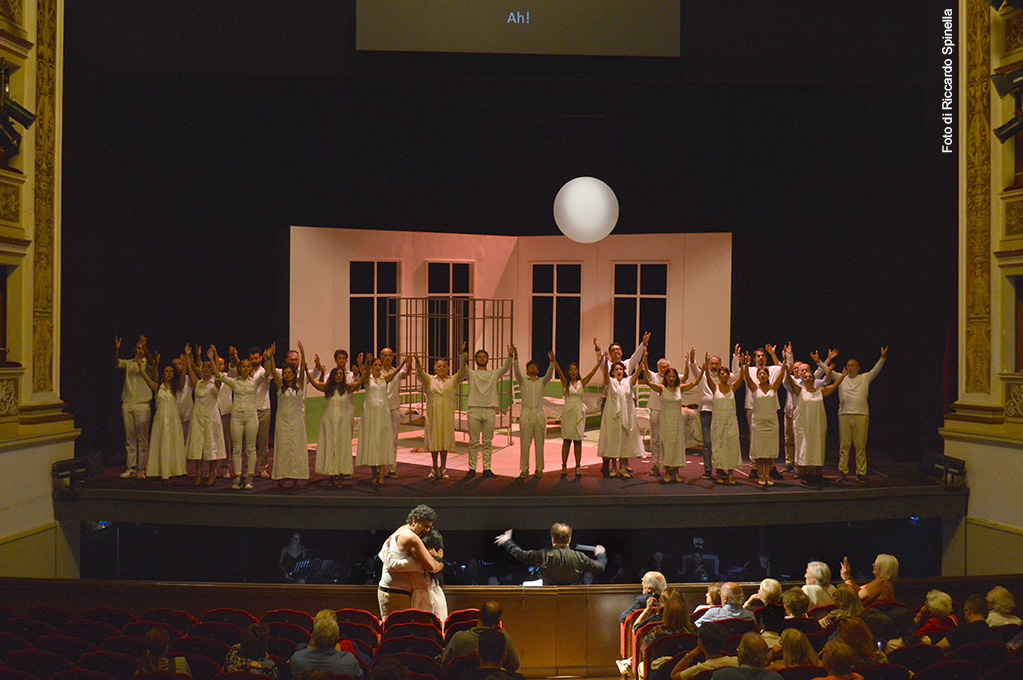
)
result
[(395, 422), (137, 418), (852, 431), (244, 430), (481, 435), (532, 432), (656, 450)]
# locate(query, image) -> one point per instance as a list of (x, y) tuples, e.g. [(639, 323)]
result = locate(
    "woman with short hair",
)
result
[(882, 588)]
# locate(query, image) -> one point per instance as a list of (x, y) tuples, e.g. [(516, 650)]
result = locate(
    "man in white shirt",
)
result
[(532, 422), (706, 387), (854, 415), (394, 400), (262, 412), (135, 410), (482, 405), (654, 404)]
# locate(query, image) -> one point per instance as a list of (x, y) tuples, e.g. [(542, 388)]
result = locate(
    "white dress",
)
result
[(724, 432), (810, 425), (375, 431), (673, 430), (291, 446), (619, 431), (334, 445), (573, 415), (167, 441), (439, 434), (763, 440), (206, 434)]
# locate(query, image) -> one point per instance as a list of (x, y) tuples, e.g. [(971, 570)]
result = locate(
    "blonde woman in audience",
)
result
[(794, 649), (1000, 605), (935, 618), (882, 588), (818, 584), (847, 603), (769, 593)]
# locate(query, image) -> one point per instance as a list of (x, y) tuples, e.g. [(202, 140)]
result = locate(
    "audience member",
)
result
[(882, 588), (711, 638), (731, 606), (794, 650), (839, 660), (796, 603), (711, 600), (975, 629), (818, 584), (769, 612), (155, 659), (342, 645), (324, 654), (903, 631), (249, 656), (466, 642), (935, 618), (1000, 605), (855, 633), (674, 618), (491, 654), (769, 592), (847, 603), (752, 656), (653, 584)]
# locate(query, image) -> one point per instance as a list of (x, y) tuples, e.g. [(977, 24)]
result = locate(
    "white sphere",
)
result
[(586, 209)]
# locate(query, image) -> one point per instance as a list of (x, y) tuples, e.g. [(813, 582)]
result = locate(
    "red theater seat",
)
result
[(292, 616), (118, 618), (55, 616), (93, 631), (121, 666), (411, 616), (29, 629), (235, 617), (70, 648), (173, 617), (803, 672)]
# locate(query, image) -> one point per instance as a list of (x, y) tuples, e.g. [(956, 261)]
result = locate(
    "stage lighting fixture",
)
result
[(1007, 82), (70, 472), (586, 209), (953, 470), (1006, 132), (10, 139)]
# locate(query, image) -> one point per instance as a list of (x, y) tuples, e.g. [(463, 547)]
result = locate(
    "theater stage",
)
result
[(894, 491)]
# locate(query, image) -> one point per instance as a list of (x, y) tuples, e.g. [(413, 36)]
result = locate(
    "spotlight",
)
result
[(1007, 82), (1006, 132), (953, 470), (10, 139)]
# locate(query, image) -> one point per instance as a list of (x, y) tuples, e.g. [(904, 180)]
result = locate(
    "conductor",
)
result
[(559, 565)]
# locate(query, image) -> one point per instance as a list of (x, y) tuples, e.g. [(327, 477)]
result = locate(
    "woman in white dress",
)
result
[(167, 440), (291, 445), (244, 423), (334, 443), (810, 423), (673, 429), (439, 433), (619, 431), (376, 433), (724, 426), (763, 437), (205, 440), (573, 414)]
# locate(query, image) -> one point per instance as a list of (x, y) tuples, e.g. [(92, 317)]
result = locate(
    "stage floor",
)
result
[(893, 490)]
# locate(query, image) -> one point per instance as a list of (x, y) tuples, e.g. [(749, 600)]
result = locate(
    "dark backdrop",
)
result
[(196, 132)]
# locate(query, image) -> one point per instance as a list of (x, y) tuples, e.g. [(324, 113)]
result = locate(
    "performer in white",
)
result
[(394, 402), (244, 419), (225, 402), (135, 409), (654, 405), (483, 404), (532, 422), (763, 437), (573, 415), (673, 430), (795, 369), (707, 387), (853, 413), (262, 381), (810, 423), (608, 359), (439, 433), (774, 373), (334, 443), (291, 445), (619, 432), (205, 439)]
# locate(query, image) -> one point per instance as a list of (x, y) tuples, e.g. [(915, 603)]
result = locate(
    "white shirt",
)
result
[(394, 388), (772, 374), (653, 402), (706, 388), (246, 392), (630, 365), (136, 390), (260, 377), (483, 385), (224, 397), (852, 392), (184, 400), (532, 390)]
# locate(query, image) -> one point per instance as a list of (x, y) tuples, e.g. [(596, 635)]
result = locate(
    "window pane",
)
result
[(387, 278), (624, 325), (651, 318), (653, 279), (569, 277), (437, 328), (361, 277), (625, 279), (460, 278), (543, 278), (542, 332), (566, 329), (361, 325), (438, 275)]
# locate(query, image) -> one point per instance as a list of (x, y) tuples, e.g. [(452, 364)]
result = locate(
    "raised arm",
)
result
[(872, 373), (771, 353), (423, 376), (776, 383), (516, 369), (828, 389), (639, 370), (637, 356), (512, 352), (561, 374), (398, 369), (550, 368), (144, 341), (792, 384), (751, 384), (693, 383), (153, 385), (117, 352), (744, 369), (271, 366), (463, 370), (190, 365), (593, 371), (303, 366), (645, 371), (603, 366)]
